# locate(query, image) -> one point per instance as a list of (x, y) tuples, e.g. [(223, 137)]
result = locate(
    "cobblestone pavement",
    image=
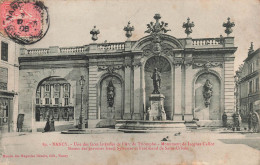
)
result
[(197, 148)]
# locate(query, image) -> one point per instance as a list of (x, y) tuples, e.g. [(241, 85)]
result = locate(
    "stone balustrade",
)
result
[(111, 46), (72, 49), (37, 51), (206, 41), (124, 46)]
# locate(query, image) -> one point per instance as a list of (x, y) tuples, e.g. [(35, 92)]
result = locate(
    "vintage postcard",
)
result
[(138, 82)]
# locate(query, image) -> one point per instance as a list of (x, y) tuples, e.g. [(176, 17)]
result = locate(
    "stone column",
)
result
[(10, 115), (142, 100), (42, 95), (61, 98), (183, 86), (52, 100), (173, 92)]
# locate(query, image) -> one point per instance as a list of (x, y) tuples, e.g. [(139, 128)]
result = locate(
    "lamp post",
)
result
[(81, 82)]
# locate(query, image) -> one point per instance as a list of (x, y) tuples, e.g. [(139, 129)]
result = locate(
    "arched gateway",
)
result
[(194, 75)]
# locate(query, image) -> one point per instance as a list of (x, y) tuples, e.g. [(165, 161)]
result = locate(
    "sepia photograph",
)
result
[(129, 82)]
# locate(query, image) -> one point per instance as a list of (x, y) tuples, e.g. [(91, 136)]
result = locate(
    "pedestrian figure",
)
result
[(177, 134), (165, 139), (52, 127), (249, 121), (224, 119), (47, 126), (20, 122)]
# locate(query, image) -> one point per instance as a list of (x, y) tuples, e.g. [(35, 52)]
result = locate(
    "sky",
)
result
[(72, 20)]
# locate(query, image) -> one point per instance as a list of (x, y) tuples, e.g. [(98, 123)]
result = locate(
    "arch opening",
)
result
[(207, 94), (165, 69), (111, 98)]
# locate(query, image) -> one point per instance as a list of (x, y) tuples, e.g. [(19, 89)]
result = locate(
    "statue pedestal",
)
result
[(156, 110)]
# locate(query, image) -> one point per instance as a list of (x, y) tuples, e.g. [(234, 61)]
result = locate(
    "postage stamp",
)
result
[(24, 22)]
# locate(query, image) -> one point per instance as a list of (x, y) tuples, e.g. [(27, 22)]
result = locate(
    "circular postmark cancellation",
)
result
[(24, 22)]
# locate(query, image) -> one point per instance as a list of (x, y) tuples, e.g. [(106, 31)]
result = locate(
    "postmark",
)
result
[(24, 22)]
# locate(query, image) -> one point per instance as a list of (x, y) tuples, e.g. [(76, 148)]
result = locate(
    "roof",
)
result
[(251, 55)]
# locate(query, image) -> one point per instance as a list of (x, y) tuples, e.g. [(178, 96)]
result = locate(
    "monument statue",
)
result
[(156, 81), (110, 94), (207, 92)]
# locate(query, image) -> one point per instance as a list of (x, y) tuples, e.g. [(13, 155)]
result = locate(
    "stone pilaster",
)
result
[(127, 104), (188, 92), (92, 106), (178, 90), (137, 93), (229, 85)]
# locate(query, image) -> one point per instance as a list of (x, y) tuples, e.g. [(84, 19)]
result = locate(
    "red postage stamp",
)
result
[(24, 22)]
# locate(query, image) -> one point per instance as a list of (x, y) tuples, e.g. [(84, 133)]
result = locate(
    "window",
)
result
[(47, 88), (47, 101), (251, 69), (250, 87), (37, 101), (3, 78), (66, 87), (257, 84), (66, 100), (56, 101), (56, 87), (39, 89), (4, 51)]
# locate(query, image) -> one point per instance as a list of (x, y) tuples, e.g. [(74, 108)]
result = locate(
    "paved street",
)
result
[(201, 147)]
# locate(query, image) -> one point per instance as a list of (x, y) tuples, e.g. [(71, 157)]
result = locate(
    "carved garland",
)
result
[(207, 65), (110, 69)]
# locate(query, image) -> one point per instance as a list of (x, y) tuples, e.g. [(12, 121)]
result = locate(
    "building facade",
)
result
[(9, 77), (248, 97), (196, 79)]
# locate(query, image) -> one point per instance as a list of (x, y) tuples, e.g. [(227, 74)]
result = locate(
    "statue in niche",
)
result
[(156, 81), (110, 94), (207, 92)]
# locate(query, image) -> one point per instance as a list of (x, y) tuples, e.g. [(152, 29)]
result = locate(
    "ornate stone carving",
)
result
[(157, 27), (110, 94), (188, 62), (94, 32), (157, 47), (207, 65), (178, 61), (228, 25), (207, 92), (110, 69), (156, 110), (128, 29), (156, 81), (188, 25)]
